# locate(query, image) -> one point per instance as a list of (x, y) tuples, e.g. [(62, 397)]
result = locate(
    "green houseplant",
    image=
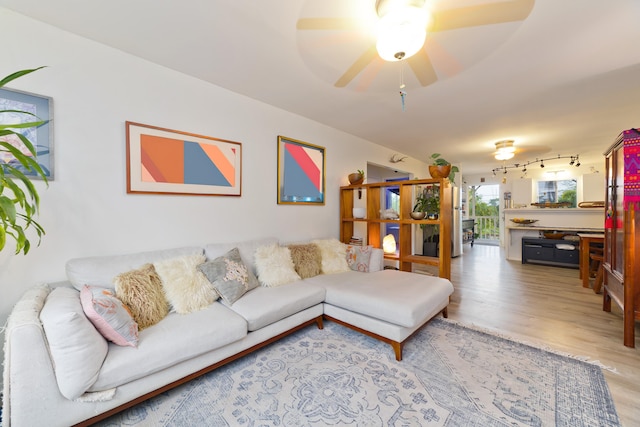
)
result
[(356, 178), (19, 199), (441, 168)]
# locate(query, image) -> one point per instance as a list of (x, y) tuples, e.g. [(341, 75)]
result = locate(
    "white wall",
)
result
[(86, 211)]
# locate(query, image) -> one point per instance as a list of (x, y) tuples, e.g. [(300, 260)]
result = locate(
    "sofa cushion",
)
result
[(334, 256), (101, 270), (109, 315), (275, 266), (186, 288), (176, 338), (397, 297), (307, 260), (358, 257), (77, 348), (376, 262), (230, 277), (141, 291), (264, 306), (246, 249)]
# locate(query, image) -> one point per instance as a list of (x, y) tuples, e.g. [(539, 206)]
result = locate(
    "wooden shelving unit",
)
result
[(405, 254)]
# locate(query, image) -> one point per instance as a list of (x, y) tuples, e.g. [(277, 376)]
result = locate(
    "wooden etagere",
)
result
[(405, 254)]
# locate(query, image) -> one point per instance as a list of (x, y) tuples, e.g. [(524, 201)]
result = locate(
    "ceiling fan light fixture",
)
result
[(505, 150), (401, 32)]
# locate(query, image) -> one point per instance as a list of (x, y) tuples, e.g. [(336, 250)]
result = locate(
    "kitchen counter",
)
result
[(589, 220)]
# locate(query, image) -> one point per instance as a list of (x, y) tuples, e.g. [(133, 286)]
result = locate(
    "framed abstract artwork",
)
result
[(167, 161), (301, 172), (41, 136)]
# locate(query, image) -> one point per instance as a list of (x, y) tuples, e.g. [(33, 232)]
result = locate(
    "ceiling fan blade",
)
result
[(486, 14), (422, 68), (327, 24), (365, 59)]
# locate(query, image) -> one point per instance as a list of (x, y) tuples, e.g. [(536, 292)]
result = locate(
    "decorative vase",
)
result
[(439, 171), (417, 215), (355, 178), (359, 212)]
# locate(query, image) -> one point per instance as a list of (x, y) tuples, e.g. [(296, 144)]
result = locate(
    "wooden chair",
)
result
[(597, 258)]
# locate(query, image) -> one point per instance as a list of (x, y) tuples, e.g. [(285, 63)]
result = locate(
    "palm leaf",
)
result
[(17, 74)]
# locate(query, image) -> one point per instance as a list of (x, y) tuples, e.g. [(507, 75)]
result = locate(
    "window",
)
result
[(557, 191)]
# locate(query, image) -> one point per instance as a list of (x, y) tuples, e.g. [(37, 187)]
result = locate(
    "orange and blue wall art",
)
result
[(167, 161), (301, 169)]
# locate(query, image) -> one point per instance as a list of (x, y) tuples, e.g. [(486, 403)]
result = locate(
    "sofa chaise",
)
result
[(59, 370)]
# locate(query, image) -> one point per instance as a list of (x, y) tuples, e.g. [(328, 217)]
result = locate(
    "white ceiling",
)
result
[(564, 81)]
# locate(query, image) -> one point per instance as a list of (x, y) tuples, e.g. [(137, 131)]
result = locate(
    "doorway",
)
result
[(484, 208)]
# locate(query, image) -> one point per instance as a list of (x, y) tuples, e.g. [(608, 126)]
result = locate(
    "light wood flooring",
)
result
[(548, 306)]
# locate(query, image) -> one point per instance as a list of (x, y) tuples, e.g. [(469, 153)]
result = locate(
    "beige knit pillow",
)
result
[(334, 256), (141, 291), (306, 259)]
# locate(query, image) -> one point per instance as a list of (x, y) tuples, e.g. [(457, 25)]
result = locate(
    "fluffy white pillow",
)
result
[(187, 288), (334, 256), (275, 266), (77, 348)]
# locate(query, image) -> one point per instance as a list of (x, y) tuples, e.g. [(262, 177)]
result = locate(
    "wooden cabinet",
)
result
[(621, 242), (406, 255)]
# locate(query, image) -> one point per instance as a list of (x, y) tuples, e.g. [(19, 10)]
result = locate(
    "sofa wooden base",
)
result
[(318, 321), (397, 346)]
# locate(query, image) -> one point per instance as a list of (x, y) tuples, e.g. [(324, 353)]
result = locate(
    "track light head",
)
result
[(578, 164), (541, 164)]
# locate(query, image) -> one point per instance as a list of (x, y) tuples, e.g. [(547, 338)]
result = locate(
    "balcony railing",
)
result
[(487, 229)]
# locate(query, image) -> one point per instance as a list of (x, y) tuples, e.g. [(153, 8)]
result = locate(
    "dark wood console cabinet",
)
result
[(621, 238), (544, 251)]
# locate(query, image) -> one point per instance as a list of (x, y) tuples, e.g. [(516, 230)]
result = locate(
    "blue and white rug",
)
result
[(450, 376)]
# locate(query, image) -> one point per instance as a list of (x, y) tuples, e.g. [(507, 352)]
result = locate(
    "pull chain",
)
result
[(403, 93)]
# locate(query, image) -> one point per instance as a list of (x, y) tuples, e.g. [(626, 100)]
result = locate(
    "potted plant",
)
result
[(19, 199), (356, 178), (433, 203), (441, 168), (420, 208)]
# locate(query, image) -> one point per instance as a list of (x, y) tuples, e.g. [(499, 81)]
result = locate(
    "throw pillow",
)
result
[(141, 291), (229, 276), (275, 266), (77, 349), (109, 315), (187, 288), (334, 256), (306, 260), (358, 257)]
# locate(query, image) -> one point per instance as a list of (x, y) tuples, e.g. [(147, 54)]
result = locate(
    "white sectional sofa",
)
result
[(47, 385)]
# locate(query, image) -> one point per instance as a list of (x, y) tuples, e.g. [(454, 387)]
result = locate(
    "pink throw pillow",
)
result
[(109, 315)]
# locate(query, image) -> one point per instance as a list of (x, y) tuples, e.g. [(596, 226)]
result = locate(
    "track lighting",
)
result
[(574, 161)]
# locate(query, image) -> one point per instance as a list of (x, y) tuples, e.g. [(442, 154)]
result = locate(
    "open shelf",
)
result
[(407, 190)]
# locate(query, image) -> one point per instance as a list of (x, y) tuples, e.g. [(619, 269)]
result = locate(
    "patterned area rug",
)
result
[(450, 376)]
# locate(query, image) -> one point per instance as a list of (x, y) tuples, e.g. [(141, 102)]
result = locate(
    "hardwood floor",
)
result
[(548, 306)]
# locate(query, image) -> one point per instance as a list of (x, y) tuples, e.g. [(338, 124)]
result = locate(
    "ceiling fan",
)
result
[(441, 16)]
